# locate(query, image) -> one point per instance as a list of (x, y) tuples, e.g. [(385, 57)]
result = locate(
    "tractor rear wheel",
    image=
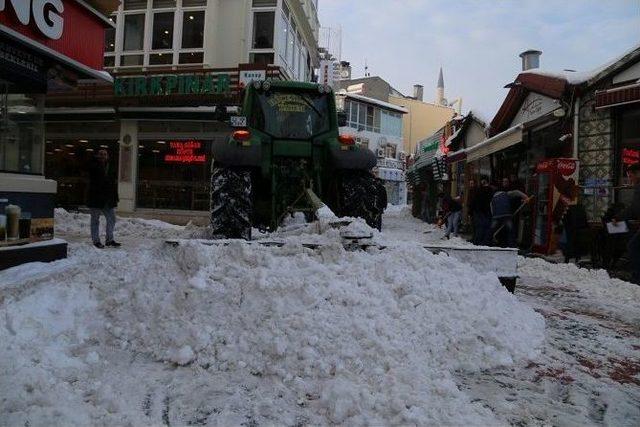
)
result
[(359, 198), (231, 203)]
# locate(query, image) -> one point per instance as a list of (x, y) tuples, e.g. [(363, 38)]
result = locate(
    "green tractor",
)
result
[(285, 153)]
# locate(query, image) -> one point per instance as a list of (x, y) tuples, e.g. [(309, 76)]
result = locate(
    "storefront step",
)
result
[(45, 251)]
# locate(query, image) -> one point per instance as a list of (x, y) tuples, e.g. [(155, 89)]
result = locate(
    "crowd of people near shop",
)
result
[(489, 214)]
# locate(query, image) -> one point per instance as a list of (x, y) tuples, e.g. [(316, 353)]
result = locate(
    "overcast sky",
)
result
[(477, 42)]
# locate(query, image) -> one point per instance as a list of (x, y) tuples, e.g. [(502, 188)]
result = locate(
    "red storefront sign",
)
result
[(63, 26), (185, 152), (630, 156)]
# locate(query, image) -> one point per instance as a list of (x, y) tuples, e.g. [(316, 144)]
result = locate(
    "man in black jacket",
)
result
[(103, 198), (633, 212)]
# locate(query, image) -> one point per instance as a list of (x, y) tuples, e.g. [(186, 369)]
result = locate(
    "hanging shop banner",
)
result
[(62, 29), (185, 152)]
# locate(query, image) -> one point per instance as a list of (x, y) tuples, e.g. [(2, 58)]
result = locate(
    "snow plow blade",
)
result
[(501, 261)]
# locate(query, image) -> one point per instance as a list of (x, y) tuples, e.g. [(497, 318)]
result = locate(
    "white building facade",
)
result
[(377, 125), (178, 67), (215, 34)]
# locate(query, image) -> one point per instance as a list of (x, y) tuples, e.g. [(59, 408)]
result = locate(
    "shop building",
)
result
[(44, 46), (440, 164), (179, 67), (377, 125), (584, 123), (422, 119)]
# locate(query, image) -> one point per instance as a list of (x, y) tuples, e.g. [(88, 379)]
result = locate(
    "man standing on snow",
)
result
[(631, 213), (103, 198), (502, 214)]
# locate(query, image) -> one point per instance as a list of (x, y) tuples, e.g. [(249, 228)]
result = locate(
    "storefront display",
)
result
[(173, 175), (43, 46), (556, 188)]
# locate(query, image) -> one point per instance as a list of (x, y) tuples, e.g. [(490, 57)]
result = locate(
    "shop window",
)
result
[(131, 60), (135, 4), (110, 36), (283, 35), (67, 160), (192, 29), (173, 174), (192, 58), (265, 3), (21, 132), (261, 58), (134, 32), (109, 61), (161, 59), (162, 31), (160, 4), (263, 30)]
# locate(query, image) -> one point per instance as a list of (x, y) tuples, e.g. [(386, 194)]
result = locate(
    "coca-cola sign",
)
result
[(47, 15), (566, 167)]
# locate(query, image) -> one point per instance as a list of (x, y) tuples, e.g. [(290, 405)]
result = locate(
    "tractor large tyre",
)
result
[(359, 199), (231, 203)]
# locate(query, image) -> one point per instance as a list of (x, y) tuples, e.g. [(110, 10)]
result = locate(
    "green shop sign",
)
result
[(180, 84)]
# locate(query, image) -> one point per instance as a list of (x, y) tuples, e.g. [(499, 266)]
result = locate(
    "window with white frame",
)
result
[(156, 32), (263, 33)]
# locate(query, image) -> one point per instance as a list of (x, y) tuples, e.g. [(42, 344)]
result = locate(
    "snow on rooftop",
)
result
[(580, 77)]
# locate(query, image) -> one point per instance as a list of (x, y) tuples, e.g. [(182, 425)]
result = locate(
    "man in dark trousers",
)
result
[(480, 211), (631, 213), (502, 214), (103, 198)]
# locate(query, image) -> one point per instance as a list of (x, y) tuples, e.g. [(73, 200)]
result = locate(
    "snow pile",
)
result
[(331, 336), (253, 334), (595, 283), (75, 223)]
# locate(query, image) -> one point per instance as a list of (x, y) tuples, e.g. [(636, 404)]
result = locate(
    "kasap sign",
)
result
[(47, 15), (248, 76)]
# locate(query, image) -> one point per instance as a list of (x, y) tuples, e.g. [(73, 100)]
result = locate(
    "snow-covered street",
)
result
[(241, 334)]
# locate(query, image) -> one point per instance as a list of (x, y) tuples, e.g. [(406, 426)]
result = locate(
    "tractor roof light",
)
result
[(347, 140), (320, 88), (266, 85), (327, 89), (257, 84), (241, 135)]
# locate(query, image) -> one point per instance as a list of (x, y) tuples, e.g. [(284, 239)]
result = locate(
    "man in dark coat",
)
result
[(480, 211), (103, 198), (631, 213), (502, 214)]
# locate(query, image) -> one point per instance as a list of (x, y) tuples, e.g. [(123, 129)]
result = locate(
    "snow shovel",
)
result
[(525, 203)]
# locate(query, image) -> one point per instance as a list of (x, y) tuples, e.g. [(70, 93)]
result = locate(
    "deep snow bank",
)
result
[(353, 337), (271, 335), (75, 223)]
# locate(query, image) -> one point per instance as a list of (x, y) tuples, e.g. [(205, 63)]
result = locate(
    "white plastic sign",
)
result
[(238, 121)]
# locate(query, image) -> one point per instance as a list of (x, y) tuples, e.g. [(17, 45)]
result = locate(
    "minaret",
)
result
[(440, 90)]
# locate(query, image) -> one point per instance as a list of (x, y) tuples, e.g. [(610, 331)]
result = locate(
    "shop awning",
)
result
[(499, 142), (618, 96)]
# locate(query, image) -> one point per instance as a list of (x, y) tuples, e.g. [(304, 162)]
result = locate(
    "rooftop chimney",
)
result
[(418, 92), (530, 59)]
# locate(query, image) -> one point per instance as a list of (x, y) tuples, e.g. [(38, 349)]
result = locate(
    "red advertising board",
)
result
[(82, 31), (186, 152)]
